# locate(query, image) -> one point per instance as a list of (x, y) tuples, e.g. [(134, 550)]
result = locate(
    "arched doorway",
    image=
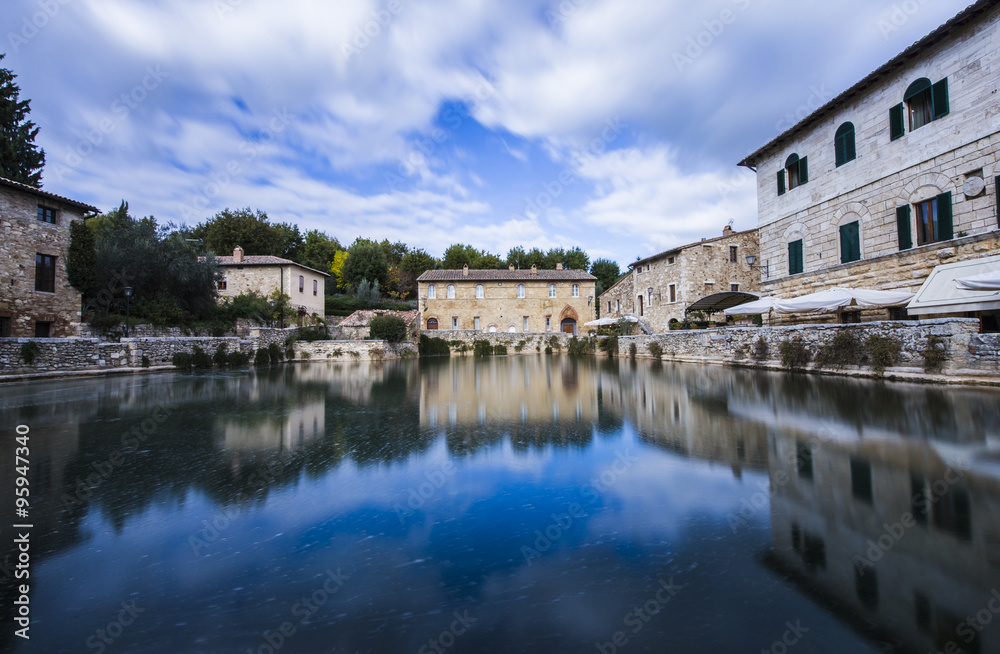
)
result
[(432, 323), (640, 306), (568, 325)]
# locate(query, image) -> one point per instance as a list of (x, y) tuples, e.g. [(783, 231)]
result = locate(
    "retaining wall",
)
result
[(353, 350), (461, 340)]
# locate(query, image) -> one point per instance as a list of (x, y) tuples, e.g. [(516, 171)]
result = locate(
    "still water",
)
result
[(521, 504)]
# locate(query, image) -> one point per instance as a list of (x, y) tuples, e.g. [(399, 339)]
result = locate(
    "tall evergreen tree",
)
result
[(20, 159)]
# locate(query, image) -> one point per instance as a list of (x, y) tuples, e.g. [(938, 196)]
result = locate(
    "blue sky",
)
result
[(607, 125)]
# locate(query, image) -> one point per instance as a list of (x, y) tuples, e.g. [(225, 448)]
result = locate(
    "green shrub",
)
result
[(262, 357), (145, 361), (310, 334), (30, 352), (200, 359), (499, 349), (632, 350), (482, 348), (579, 346), (388, 327), (548, 349), (275, 353), (221, 357), (609, 345), (432, 347), (794, 354), (238, 359), (883, 352), (935, 354), (655, 349), (181, 360), (761, 350), (554, 343), (520, 346), (844, 349)]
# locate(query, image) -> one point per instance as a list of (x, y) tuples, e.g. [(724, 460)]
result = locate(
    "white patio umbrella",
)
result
[(840, 297), (987, 281), (761, 306), (600, 322)]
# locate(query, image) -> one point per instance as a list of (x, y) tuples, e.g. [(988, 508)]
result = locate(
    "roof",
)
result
[(939, 294), (25, 188), (945, 31), (362, 317), (506, 276), (265, 260), (704, 241)]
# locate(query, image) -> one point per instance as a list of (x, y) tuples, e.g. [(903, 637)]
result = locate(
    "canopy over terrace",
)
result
[(947, 290), (757, 307), (838, 298), (721, 301), (604, 322)]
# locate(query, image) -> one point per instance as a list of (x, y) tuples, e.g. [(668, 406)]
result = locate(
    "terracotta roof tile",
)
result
[(506, 275), (45, 194), (264, 260)]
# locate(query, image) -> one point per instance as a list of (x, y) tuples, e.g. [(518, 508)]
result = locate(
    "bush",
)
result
[(368, 293), (499, 349), (761, 350), (520, 346), (30, 352), (554, 343), (655, 349), (482, 348), (145, 361), (238, 359), (309, 334), (844, 349), (181, 360), (432, 347), (388, 327), (275, 353), (935, 354), (579, 346), (883, 352), (200, 359), (262, 357), (794, 354), (221, 357), (632, 350), (609, 345), (548, 349)]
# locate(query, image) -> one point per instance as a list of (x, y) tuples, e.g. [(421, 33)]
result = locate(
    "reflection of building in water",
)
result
[(888, 534), (514, 390), (686, 410), (281, 430)]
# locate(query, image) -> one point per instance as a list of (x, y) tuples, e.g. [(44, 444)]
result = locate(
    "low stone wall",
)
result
[(264, 336), (461, 340), (969, 353), (160, 351), (353, 350)]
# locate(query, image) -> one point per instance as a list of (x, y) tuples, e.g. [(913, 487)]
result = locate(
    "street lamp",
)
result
[(128, 307), (752, 259)]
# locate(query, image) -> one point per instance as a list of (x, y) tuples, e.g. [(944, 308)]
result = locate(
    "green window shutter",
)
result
[(845, 245), (850, 242), (795, 257), (841, 149), (803, 170), (939, 99), (903, 227), (896, 122), (997, 199), (945, 228), (781, 182), (850, 149)]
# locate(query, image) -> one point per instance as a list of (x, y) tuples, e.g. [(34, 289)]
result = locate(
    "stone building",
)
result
[(36, 298), (895, 175), (265, 274), (532, 301), (659, 288)]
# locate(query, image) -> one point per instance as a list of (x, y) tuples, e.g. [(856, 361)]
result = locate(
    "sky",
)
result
[(609, 125)]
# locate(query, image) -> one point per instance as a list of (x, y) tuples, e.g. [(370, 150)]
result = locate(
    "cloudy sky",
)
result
[(610, 125)]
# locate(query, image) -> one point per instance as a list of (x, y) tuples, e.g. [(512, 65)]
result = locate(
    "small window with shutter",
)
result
[(795, 263), (850, 242), (844, 145)]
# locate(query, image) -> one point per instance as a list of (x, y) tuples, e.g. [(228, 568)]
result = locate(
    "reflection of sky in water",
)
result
[(426, 518)]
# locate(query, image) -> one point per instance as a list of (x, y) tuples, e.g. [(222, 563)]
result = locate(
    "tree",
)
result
[(394, 252), (401, 283), (251, 231), (554, 256), (417, 262), (319, 250), (20, 159), (576, 259), (365, 261), (459, 255), (81, 265), (606, 272), (388, 327), (489, 261), (287, 241), (337, 270)]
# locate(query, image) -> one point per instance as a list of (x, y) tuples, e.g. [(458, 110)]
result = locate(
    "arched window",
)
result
[(850, 242), (552, 290), (480, 291), (576, 290), (923, 102), (844, 144), (302, 284), (451, 291), (432, 323), (431, 293), (797, 170), (520, 290), (919, 103)]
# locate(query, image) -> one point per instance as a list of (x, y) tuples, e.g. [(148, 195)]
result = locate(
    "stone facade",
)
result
[(516, 301), (25, 309), (682, 276), (356, 326), (881, 188), (461, 341), (304, 286)]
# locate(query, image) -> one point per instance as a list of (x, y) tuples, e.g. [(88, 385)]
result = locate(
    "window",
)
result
[(525, 327), (451, 291), (552, 290), (670, 261), (797, 171), (609, 306), (843, 144), (576, 290), (735, 288), (922, 103), (520, 290), (43, 329), (315, 287), (850, 242), (795, 265), (45, 273), (222, 284), (454, 322), (47, 215), (934, 221), (673, 292), (618, 304), (548, 323), (734, 255), (480, 291), (302, 284), (431, 292), (475, 323), (432, 323), (4, 326)]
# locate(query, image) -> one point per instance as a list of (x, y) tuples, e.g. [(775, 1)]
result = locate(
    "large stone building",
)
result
[(265, 274), (658, 289), (894, 176), (36, 298), (531, 301)]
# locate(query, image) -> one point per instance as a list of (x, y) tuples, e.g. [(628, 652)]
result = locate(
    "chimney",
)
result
[(727, 230), (237, 254), (510, 267), (534, 270), (559, 266), (465, 270)]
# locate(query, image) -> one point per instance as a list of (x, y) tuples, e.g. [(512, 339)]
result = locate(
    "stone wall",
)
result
[(461, 340), (620, 298), (353, 350), (968, 352)]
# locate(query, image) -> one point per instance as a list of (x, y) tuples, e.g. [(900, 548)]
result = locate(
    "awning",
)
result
[(988, 281), (940, 294), (757, 307), (841, 297), (604, 322), (721, 301)]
